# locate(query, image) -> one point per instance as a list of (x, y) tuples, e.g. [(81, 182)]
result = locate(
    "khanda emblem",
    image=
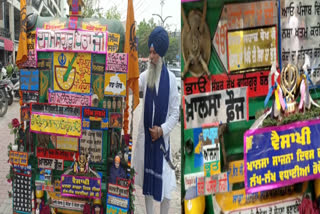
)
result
[(133, 38), (62, 59), (289, 85)]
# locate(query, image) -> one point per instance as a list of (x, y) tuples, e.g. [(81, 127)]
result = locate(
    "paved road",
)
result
[(5, 139), (175, 138)]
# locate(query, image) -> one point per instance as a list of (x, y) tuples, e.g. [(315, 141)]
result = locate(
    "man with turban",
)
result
[(160, 114)]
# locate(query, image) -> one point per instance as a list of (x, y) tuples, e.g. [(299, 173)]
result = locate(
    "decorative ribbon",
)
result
[(270, 94), (276, 96), (303, 93), (282, 101)]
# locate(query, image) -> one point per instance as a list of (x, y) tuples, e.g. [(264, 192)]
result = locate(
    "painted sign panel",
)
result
[(30, 97), (56, 154), (73, 111), (118, 201), (91, 143), (29, 80), (220, 106), (54, 25), (115, 210), (115, 84), (118, 190), (71, 40), (32, 56), (18, 158), (48, 163), (113, 42), (72, 72), (55, 124), (211, 159), (240, 16), (58, 201), (117, 62), (67, 143), (190, 180), (98, 68), (93, 26), (22, 193), (213, 184), (252, 48), (282, 155), (80, 187), (300, 33), (25, 113), (236, 171), (69, 98), (45, 68), (95, 118)]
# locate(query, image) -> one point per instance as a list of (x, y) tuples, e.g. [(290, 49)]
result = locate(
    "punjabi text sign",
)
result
[(48, 163), (18, 158), (213, 184), (71, 40), (113, 42), (118, 190), (300, 33), (68, 98), (30, 97), (54, 124), (282, 155), (73, 111), (79, 186), (95, 118), (67, 143), (91, 143), (220, 106), (56, 154), (115, 84), (29, 80), (252, 48), (117, 62)]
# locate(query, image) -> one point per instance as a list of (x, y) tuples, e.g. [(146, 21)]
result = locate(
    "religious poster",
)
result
[(113, 42), (67, 143), (32, 56), (115, 119), (115, 84), (25, 113), (281, 156), (223, 106), (48, 163), (22, 192), (30, 97), (252, 49), (29, 80), (91, 143), (71, 40), (72, 72), (117, 62), (57, 154), (81, 187), (69, 98), (95, 118), (242, 16), (300, 34)]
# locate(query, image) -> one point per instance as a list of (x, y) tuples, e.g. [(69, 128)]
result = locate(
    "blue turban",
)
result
[(159, 39)]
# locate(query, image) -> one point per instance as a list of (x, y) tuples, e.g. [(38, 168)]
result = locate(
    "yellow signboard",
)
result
[(53, 124), (113, 42), (252, 49), (236, 170), (115, 84), (94, 26), (72, 72), (67, 143), (54, 24)]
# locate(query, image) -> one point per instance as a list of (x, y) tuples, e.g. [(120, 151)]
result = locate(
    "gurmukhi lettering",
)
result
[(284, 140), (295, 172), (258, 164), (282, 159)]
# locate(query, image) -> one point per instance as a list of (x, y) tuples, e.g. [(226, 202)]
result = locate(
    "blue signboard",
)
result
[(29, 80)]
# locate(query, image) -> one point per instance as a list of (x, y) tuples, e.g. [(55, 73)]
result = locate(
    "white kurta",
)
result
[(168, 175)]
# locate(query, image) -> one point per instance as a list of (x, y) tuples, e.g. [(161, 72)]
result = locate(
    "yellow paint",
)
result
[(115, 78), (236, 169), (93, 26), (67, 143), (54, 25), (79, 78), (195, 206), (56, 125), (258, 52), (113, 42)]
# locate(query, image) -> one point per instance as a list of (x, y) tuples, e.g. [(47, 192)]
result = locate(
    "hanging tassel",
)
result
[(282, 101), (276, 96), (302, 93)]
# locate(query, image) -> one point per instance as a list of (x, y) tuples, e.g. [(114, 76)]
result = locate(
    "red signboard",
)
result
[(56, 154)]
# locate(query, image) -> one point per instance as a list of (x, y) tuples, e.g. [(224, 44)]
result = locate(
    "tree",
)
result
[(113, 13), (174, 49), (88, 11), (143, 32)]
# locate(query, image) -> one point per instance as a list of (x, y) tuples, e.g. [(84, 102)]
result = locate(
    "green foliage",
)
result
[(173, 49), (9, 69), (143, 31), (113, 13), (88, 11)]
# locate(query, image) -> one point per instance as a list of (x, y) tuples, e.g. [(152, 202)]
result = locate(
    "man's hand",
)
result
[(155, 132)]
